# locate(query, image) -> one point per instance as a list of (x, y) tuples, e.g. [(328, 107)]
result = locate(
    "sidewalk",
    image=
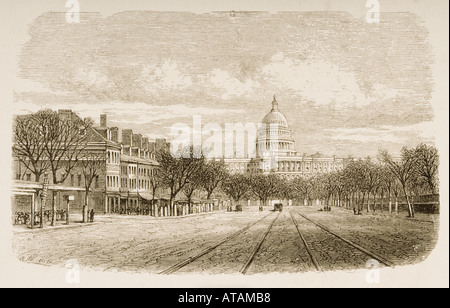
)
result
[(420, 217), (22, 228), (156, 218)]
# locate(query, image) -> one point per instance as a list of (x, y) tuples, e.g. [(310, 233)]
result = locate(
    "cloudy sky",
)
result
[(347, 87)]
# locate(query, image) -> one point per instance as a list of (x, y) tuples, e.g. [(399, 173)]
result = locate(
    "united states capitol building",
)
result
[(276, 152)]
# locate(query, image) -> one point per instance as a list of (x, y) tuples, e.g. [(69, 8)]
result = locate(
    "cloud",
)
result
[(385, 133), (362, 134), (91, 78), (27, 85), (426, 130), (321, 82), (227, 85), (165, 76), (125, 112)]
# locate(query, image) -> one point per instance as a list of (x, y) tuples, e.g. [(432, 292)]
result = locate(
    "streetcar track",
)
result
[(191, 259), (372, 254), (308, 249), (258, 246), (166, 250)]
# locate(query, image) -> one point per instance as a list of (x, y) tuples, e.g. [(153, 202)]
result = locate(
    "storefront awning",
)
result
[(146, 196), (18, 186)]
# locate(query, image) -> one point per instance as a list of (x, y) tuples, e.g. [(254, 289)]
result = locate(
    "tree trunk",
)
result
[(54, 195), (410, 207), (86, 207), (361, 204), (67, 212), (374, 202), (41, 222)]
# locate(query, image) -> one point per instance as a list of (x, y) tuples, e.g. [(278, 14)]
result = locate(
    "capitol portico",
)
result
[(276, 152)]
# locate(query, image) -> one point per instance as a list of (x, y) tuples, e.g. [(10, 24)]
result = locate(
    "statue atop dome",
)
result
[(274, 104), (275, 116)]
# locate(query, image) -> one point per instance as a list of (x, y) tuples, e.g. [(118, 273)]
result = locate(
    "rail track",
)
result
[(174, 268), (366, 251), (256, 248)]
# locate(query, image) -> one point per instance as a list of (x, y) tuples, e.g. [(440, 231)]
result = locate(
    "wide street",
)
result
[(245, 242)]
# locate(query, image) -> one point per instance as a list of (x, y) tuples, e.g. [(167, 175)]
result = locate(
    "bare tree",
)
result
[(371, 179), (155, 183), (339, 186), (236, 186), (29, 145), (387, 182), (193, 184), (428, 165), (67, 139), (91, 166), (177, 170), (404, 170), (46, 141), (213, 174), (265, 186), (354, 174), (304, 188), (285, 189)]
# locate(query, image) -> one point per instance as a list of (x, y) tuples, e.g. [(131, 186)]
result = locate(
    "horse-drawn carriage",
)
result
[(278, 207)]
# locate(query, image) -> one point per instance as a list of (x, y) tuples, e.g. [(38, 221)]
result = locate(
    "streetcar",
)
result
[(278, 207)]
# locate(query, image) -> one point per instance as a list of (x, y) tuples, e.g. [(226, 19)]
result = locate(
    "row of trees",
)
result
[(47, 142), (359, 185), (187, 171)]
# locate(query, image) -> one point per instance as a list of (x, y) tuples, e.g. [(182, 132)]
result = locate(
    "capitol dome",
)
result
[(275, 135), (275, 116)]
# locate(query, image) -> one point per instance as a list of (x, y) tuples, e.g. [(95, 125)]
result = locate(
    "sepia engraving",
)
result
[(225, 142)]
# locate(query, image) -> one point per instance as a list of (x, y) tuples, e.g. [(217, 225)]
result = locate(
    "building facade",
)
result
[(123, 180), (276, 154)]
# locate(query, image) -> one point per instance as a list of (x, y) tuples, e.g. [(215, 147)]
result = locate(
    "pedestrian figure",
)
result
[(92, 215)]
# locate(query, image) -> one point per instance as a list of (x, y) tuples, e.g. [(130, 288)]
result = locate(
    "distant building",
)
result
[(276, 152)]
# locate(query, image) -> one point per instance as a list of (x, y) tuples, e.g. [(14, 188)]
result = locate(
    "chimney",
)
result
[(137, 140), (160, 144), (65, 114), (152, 147), (127, 135), (115, 134), (145, 143), (103, 120)]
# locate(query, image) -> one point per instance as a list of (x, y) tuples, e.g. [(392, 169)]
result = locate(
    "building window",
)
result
[(72, 180), (29, 177)]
